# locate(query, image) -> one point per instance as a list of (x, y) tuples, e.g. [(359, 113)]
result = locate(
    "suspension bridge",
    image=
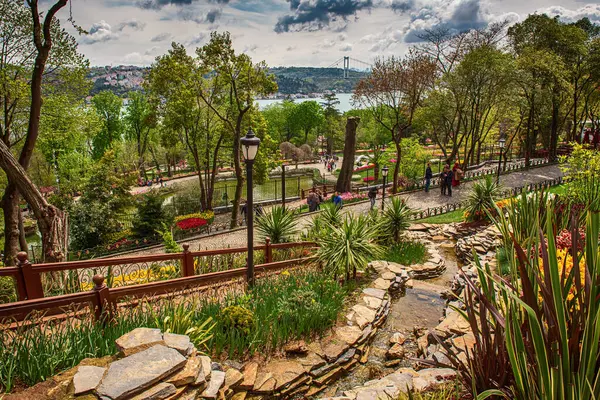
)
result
[(351, 66)]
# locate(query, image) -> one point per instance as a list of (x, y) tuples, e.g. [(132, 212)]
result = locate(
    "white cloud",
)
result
[(100, 32), (591, 11), (136, 58), (133, 24), (346, 47)]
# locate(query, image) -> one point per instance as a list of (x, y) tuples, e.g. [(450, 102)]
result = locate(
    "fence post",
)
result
[(31, 280), (188, 261), (268, 251), (103, 312)]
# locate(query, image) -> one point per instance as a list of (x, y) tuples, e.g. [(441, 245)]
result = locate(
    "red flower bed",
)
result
[(368, 179), (191, 223), (364, 167)]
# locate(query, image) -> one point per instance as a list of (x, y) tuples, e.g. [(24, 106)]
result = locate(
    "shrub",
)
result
[(7, 290), (406, 253), (482, 199), (238, 318), (349, 247), (394, 220), (279, 224), (150, 216)]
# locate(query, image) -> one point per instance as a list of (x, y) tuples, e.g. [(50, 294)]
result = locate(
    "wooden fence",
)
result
[(104, 290)]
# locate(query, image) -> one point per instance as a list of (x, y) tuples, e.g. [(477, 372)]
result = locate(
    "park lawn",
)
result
[(406, 253), (448, 218), (558, 190)]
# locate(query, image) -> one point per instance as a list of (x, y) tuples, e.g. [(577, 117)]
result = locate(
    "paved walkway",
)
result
[(418, 201)]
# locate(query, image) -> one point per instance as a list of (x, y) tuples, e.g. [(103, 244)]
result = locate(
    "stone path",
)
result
[(418, 201)]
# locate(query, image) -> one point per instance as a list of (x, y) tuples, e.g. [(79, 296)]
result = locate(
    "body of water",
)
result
[(344, 98)]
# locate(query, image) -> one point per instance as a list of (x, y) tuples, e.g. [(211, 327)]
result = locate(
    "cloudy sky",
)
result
[(290, 32)]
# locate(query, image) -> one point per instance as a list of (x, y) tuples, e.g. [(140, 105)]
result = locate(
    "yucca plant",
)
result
[(482, 199), (349, 247), (322, 224), (394, 220), (279, 224)]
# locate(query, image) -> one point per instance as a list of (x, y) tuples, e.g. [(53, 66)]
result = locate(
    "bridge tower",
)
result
[(346, 67)]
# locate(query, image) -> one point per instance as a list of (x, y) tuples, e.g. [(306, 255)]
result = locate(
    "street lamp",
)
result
[(283, 185), (384, 173), (501, 143), (250, 145)]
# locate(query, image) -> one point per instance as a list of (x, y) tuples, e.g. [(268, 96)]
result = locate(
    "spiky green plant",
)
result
[(321, 225), (394, 220), (349, 247), (482, 199), (279, 224)]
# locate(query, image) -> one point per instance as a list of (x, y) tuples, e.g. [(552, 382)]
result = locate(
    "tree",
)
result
[(190, 110), (237, 80), (393, 92), (50, 219), (332, 119), (308, 116), (344, 182), (140, 120), (108, 106)]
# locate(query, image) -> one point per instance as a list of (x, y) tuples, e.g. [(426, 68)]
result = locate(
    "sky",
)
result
[(289, 32)]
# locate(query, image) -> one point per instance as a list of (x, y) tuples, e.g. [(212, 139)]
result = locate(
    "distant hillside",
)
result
[(291, 80)]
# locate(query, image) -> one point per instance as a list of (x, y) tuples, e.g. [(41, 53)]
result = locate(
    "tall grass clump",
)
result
[(406, 253), (481, 199), (394, 220)]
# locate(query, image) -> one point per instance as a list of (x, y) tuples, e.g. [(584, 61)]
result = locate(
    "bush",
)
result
[(150, 216), (7, 290), (406, 253), (394, 220), (482, 199), (237, 318), (279, 224)]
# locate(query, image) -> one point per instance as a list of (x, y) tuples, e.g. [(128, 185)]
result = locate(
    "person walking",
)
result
[(456, 174), (428, 176), (443, 175), (373, 196), (319, 199), (449, 177), (337, 200), (311, 200)]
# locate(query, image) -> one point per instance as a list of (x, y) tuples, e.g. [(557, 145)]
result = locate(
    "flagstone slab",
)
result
[(87, 378), (134, 374), (138, 340)]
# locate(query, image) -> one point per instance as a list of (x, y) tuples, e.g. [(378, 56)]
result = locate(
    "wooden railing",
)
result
[(103, 299), (38, 281)]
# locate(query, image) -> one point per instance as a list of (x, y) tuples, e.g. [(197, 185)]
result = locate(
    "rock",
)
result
[(398, 338), (347, 356), (392, 363), (136, 373), (285, 372), (181, 343), (380, 294), (372, 302), (395, 352), (239, 396), (138, 340), (217, 379), (454, 323), (432, 378), (188, 374), (215, 366), (233, 378), (333, 350), (348, 334), (396, 268), (87, 379), (250, 370), (465, 342), (158, 392), (364, 315), (311, 362), (378, 266), (409, 283), (388, 275), (206, 366), (296, 347), (381, 283), (328, 377), (261, 378)]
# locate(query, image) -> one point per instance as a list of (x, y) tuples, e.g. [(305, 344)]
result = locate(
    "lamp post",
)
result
[(384, 173), (501, 144), (250, 145), (283, 185)]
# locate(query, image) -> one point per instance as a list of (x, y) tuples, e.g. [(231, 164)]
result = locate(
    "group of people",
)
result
[(315, 198), (158, 180), (449, 178), (258, 210), (330, 162)]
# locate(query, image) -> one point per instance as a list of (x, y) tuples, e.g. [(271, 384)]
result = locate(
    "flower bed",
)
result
[(364, 168), (194, 221), (349, 198), (369, 179)]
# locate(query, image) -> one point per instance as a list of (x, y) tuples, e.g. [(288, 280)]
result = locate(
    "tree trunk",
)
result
[(49, 218), (10, 203), (22, 238), (397, 166), (237, 165), (344, 182), (554, 131)]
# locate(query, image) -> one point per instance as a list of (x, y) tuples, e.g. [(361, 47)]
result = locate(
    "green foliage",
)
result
[(180, 319), (448, 218), (394, 220), (279, 224), (322, 224), (349, 247), (237, 318), (171, 246), (7, 289), (108, 107), (482, 199), (582, 169), (406, 253), (150, 216)]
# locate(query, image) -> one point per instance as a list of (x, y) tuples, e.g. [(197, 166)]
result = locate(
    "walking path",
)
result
[(418, 201)]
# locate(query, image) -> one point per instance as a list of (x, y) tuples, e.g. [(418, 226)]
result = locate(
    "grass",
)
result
[(406, 253), (448, 218), (451, 391), (279, 308)]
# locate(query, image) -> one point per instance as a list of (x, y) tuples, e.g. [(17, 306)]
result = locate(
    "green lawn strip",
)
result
[(406, 253), (448, 218)]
